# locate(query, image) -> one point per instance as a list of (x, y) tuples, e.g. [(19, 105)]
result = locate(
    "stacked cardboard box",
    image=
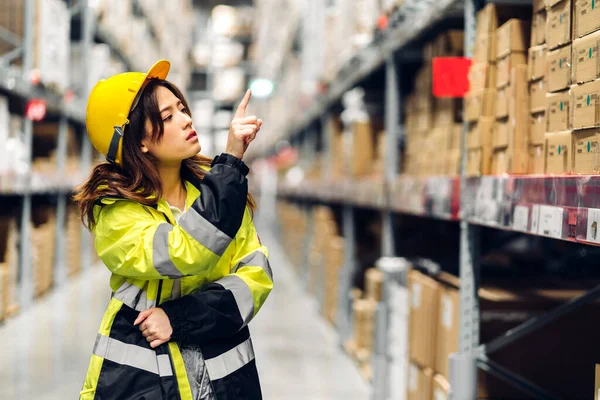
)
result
[(585, 98), (43, 236), (558, 146), (511, 129), (73, 235), (335, 262), (536, 75), (433, 125), (294, 235), (9, 266), (504, 305)]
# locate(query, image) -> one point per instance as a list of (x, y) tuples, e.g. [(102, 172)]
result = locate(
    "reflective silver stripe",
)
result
[(229, 362), (176, 291), (160, 252), (164, 365), (242, 294), (204, 232), (259, 259), (134, 356), (128, 293)]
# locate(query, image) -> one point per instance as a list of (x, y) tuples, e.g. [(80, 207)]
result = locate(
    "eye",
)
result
[(184, 110), (170, 117)]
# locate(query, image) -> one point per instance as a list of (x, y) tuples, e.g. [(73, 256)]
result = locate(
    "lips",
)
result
[(192, 135)]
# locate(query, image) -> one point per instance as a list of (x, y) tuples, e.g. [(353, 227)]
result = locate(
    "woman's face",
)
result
[(179, 140)]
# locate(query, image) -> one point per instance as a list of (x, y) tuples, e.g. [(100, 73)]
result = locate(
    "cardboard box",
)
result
[(536, 62), (513, 36), (441, 388), (559, 157), (448, 322), (513, 130), (506, 64), (559, 25), (490, 17), (585, 111), (586, 157), (480, 103), (422, 326), (484, 49), (362, 149), (480, 133), (539, 5), (559, 69), (501, 133), (510, 160), (537, 159), (502, 99), (420, 383), (538, 128), (537, 95), (586, 16), (482, 76), (586, 63), (538, 28), (558, 114), (479, 161)]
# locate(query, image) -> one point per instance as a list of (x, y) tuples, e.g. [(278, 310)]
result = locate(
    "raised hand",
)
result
[(242, 130)]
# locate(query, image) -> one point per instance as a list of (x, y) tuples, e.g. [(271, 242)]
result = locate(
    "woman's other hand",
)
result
[(155, 326), (243, 129)]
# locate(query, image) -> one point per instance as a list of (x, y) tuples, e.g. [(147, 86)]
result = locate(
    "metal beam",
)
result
[(517, 381), (345, 306), (9, 37), (536, 323), (10, 56)]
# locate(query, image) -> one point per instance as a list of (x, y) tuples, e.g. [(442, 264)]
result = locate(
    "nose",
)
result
[(187, 120)]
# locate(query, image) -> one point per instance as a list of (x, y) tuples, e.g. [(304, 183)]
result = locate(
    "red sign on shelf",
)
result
[(450, 76), (35, 109)]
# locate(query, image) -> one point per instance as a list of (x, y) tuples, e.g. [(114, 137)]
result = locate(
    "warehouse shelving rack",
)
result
[(551, 206), (16, 85)]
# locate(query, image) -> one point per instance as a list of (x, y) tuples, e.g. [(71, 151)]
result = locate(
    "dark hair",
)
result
[(138, 179)]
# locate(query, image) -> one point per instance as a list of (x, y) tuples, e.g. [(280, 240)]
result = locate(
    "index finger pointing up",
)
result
[(241, 110)]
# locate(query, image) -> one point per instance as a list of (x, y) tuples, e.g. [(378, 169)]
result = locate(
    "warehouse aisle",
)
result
[(45, 351)]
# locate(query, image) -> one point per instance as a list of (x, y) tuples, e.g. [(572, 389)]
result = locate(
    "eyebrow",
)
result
[(171, 106)]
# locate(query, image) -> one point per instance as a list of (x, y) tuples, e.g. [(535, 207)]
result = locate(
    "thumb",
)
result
[(142, 316)]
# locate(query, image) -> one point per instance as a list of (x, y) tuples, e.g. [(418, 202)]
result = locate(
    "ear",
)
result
[(144, 148)]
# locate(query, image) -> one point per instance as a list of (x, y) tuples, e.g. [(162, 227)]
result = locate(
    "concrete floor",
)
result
[(46, 349)]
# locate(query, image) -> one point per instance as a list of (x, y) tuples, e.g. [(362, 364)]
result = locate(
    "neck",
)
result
[(173, 190)]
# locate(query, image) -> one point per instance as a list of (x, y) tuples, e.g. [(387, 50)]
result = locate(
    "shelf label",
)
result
[(535, 219), (551, 221), (447, 312), (593, 222), (521, 218)]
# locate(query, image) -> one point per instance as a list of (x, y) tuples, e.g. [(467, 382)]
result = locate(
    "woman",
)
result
[(178, 237)]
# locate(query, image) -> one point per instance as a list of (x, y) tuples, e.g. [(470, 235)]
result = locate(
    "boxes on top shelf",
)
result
[(506, 64), (559, 69), (538, 28), (480, 103), (586, 62), (492, 16), (586, 151), (537, 62), (586, 17), (480, 133), (484, 49), (559, 24), (482, 76), (585, 105), (513, 36), (537, 158), (558, 111), (559, 153), (479, 161), (539, 5), (537, 95), (537, 129)]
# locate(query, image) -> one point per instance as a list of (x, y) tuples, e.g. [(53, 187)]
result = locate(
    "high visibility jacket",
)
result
[(213, 255)]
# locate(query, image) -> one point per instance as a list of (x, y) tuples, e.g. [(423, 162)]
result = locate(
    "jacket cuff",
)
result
[(177, 318), (232, 161)]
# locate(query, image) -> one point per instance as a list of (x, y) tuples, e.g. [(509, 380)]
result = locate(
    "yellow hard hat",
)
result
[(109, 105)]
